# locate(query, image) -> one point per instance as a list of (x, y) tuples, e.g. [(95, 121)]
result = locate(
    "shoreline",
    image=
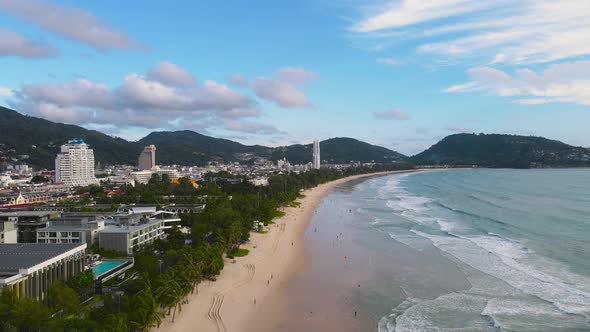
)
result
[(247, 294)]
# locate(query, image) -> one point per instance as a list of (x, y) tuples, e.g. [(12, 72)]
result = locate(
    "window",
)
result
[(63, 234), (41, 234), (52, 234), (41, 241), (52, 241), (75, 234)]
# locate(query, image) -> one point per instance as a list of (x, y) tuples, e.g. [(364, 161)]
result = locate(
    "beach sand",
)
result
[(248, 295)]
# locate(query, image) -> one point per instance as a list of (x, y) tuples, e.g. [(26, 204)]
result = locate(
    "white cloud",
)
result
[(295, 75), (14, 44), (72, 23), (137, 101), (171, 74), (393, 114), (141, 102), (500, 31), (387, 61), (6, 91), (410, 12), (284, 88), (559, 83)]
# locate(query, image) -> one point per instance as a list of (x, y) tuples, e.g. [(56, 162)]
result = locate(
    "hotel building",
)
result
[(74, 166)]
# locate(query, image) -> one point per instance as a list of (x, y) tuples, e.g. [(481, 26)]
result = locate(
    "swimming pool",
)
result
[(106, 266)]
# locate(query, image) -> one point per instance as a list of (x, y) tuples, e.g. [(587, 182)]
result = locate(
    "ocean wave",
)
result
[(469, 214), (528, 288), (451, 312), (500, 258)]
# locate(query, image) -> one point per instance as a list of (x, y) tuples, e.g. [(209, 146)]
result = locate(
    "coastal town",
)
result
[(79, 229)]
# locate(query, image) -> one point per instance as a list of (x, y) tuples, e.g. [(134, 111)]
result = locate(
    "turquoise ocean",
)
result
[(462, 250)]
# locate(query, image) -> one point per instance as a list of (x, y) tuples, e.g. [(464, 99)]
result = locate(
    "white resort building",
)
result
[(74, 166)]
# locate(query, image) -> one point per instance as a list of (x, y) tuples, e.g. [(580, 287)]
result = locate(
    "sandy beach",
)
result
[(246, 295)]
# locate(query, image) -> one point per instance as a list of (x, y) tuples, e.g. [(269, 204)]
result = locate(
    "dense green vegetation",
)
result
[(502, 151), (168, 271), (41, 139)]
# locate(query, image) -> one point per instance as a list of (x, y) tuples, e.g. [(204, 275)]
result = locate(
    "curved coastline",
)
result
[(248, 294)]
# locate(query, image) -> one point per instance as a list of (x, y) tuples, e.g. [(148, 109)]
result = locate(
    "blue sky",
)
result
[(402, 74)]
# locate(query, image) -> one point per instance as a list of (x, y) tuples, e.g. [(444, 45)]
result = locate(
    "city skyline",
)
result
[(400, 74)]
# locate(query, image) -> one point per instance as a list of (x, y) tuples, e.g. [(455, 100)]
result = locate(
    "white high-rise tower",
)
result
[(316, 154), (74, 166)]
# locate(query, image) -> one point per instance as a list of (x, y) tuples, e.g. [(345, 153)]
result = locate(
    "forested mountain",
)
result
[(40, 139), (338, 150), (188, 147), (494, 150)]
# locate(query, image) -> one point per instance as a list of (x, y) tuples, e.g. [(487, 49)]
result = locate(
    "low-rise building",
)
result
[(83, 233), (31, 268), (126, 237), (142, 177), (28, 222), (8, 232)]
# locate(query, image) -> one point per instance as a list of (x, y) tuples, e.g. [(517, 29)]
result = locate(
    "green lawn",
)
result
[(238, 253)]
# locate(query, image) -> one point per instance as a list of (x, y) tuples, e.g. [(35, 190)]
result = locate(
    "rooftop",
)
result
[(128, 229), (27, 213), (15, 256)]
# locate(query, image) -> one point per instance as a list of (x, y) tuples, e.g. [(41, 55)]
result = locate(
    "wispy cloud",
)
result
[(393, 114), (72, 23), (500, 31), (559, 83), (387, 61), (14, 44)]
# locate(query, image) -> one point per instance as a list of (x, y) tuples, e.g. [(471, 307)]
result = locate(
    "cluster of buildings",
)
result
[(122, 231), (41, 242), (40, 247)]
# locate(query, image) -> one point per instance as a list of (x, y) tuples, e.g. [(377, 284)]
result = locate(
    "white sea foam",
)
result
[(499, 258), (529, 291), (519, 314)]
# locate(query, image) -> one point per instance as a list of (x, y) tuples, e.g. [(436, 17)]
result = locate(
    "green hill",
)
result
[(338, 150), (494, 150), (190, 148), (41, 139)]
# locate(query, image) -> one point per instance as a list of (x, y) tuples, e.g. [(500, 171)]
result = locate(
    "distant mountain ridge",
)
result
[(495, 150), (40, 139)]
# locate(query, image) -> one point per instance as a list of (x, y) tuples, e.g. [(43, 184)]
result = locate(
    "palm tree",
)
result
[(145, 313)]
